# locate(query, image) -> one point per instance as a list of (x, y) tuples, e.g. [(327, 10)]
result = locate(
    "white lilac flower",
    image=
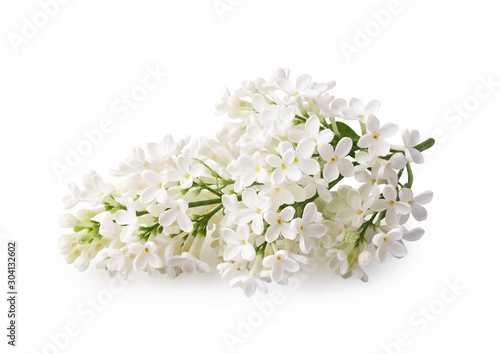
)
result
[(312, 130), (339, 199), (256, 206), (415, 203), (375, 138), (279, 263), (337, 108), (338, 261), (358, 111), (389, 167), (188, 263), (247, 170), (306, 227), (230, 203), (389, 243), (238, 244), (184, 173), (391, 205), (303, 153), (249, 283), (337, 229), (228, 269), (108, 228), (316, 184), (72, 199), (156, 187), (284, 167), (129, 218), (115, 258), (96, 190), (336, 163), (284, 194), (357, 208), (145, 255), (411, 138), (298, 91), (163, 150), (177, 211), (370, 180), (279, 224), (357, 271), (255, 190)]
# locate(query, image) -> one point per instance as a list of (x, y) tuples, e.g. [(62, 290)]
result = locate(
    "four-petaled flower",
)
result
[(279, 263), (238, 244), (307, 228), (145, 254), (336, 163), (256, 206), (176, 212), (375, 138), (279, 224), (129, 218), (389, 243), (391, 205)]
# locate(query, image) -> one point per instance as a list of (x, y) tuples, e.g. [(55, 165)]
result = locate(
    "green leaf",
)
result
[(425, 145), (346, 130)]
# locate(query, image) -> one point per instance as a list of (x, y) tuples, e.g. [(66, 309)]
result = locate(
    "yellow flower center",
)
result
[(278, 221), (186, 176), (385, 239), (333, 159), (283, 166), (257, 168), (278, 258), (295, 159), (146, 250)]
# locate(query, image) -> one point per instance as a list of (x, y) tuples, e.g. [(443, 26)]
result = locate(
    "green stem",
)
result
[(202, 185), (365, 226), (410, 176), (205, 202)]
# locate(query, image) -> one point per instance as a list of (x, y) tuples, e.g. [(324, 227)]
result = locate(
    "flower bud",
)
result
[(351, 237), (67, 220), (82, 262), (365, 258), (85, 215)]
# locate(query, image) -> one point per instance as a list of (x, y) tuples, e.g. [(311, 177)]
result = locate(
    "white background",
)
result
[(427, 59)]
